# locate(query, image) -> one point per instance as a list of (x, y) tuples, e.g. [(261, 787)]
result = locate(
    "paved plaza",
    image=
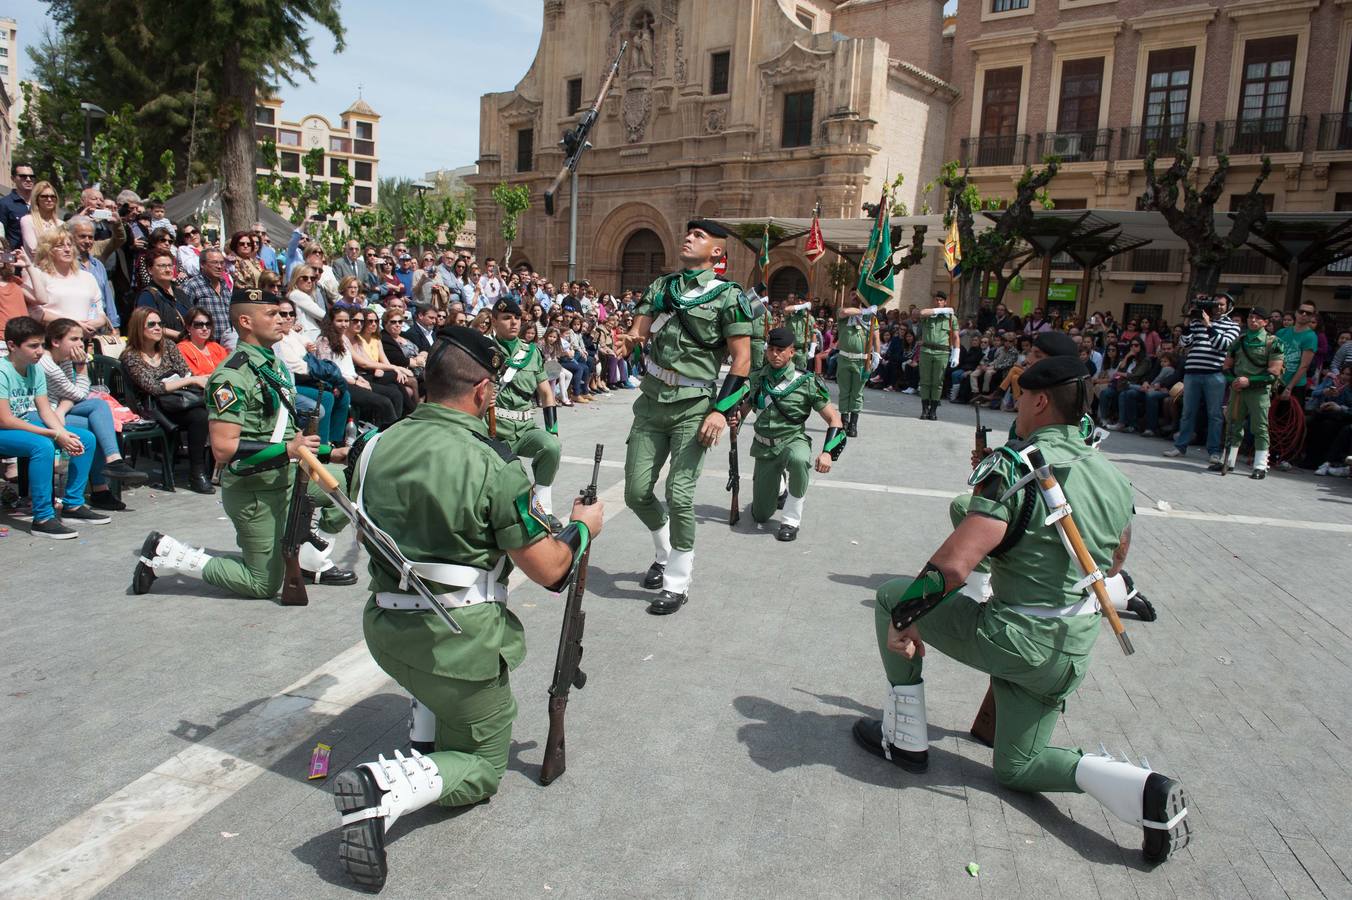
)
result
[(157, 746)]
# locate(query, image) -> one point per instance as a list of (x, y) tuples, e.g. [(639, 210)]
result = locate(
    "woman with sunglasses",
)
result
[(400, 351), (369, 357), (188, 253), (160, 241), (246, 269), (329, 400), (335, 346), (200, 352), (42, 216), (301, 293), (155, 368)]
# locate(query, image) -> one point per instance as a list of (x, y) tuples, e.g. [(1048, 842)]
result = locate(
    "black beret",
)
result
[(713, 229), (505, 306), (1056, 343), (1259, 311), (253, 295), (1054, 370), (481, 348), (780, 337)]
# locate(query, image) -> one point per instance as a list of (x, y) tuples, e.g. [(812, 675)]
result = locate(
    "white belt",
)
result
[(478, 586), (1087, 606), (514, 415), (674, 379), (849, 355)]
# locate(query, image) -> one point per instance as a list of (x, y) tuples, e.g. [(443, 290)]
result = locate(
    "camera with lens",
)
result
[(1202, 304)]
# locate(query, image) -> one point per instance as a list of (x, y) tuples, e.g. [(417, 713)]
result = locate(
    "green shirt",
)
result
[(445, 495), (1294, 344), (251, 388), (1038, 570), (934, 332), (1253, 352), (20, 390), (799, 323), (777, 392), (713, 310), (852, 334), (528, 367)]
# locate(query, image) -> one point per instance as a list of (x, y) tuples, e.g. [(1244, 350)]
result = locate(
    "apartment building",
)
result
[(351, 148), (1099, 82)]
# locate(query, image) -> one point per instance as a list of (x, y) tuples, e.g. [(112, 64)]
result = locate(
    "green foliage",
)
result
[(425, 218), (303, 194), (840, 275), (513, 200)]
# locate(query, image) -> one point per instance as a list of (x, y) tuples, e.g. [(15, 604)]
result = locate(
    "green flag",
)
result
[(764, 259), (877, 291)]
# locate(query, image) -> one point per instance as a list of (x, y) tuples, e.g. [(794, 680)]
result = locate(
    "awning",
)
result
[(204, 202)]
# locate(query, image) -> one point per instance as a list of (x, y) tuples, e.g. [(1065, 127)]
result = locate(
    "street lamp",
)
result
[(422, 187), (91, 111)]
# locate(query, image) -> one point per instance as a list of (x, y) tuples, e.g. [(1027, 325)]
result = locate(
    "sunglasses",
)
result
[(189, 232), (286, 315), (201, 324), (305, 278), (46, 196), (155, 324), (397, 321)]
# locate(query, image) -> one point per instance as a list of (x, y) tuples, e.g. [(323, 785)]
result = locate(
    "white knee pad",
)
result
[(422, 723), (175, 557), (904, 723), (312, 559), (662, 543), (680, 568), (409, 783), (1118, 785)]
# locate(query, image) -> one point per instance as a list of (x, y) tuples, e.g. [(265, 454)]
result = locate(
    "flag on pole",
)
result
[(953, 248), (877, 291), (814, 248), (763, 261)]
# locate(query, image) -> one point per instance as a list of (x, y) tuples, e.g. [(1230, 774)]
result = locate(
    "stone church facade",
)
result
[(747, 108)]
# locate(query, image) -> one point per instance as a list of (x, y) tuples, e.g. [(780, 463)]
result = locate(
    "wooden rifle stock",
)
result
[(298, 524), (567, 674), (492, 422), (575, 139), (734, 475)]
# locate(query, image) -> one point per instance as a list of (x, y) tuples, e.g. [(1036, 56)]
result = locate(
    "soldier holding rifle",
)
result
[(1035, 635), (459, 506)]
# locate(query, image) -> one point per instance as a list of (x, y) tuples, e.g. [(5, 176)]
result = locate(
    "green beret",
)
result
[(1052, 371)]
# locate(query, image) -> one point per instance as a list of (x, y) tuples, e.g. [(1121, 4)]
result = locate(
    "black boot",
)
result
[(924, 409), (652, 579), (852, 425), (934, 410), (868, 733), (198, 483), (667, 602)]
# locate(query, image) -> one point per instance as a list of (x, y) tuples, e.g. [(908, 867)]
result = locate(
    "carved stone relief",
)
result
[(680, 56), (637, 109), (715, 119)]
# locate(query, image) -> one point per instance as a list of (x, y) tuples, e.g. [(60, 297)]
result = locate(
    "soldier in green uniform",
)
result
[(459, 506), (251, 400), (1254, 363), (760, 324), (1035, 635), (783, 398), (524, 383), (938, 351), (691, 320), (853, 329), (798, 319)]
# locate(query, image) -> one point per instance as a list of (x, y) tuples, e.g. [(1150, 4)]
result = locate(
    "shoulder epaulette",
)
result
[(238, 361), (498, 447)]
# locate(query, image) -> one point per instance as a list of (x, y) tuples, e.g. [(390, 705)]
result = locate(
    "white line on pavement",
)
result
[(98, 846)]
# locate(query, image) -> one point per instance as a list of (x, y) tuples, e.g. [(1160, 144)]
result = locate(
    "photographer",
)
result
[(1206, 338)]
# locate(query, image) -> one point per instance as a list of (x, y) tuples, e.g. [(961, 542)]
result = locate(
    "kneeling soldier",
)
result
[(251, 401), (459, 506), (523, 382), (783, 398), (1035, 635)]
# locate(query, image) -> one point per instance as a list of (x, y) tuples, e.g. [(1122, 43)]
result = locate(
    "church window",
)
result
[(797, 131)]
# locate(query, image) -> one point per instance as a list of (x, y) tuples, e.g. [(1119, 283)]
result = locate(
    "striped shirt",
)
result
[(1206, 345)]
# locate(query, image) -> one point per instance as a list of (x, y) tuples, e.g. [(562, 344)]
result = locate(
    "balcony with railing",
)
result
[(1075, 146), (1244, 262), (1163, 262), (995, 150), (1335, 131), (1138, 141), (1274, 134)]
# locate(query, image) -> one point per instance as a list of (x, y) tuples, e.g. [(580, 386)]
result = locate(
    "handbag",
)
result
[(180, 400)]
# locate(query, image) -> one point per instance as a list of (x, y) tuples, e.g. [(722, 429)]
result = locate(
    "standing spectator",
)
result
[(1342, 356), (326, 285), (61, 288), (263, 250), (405, 273), (159, 295), (1003, 320), (14, 205), (335, 346), (30, 428), (491, 287), (156, 368), (82, 230), (1299, 343), (42, 217), (160, 240), (246, 268), (309, 312), (207, 289), (200, 352), (65, 366), (1150, 338), (1206, 344), (189, 251), (12, 301)]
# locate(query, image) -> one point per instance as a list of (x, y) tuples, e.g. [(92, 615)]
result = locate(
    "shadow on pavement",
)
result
[(607, 585)]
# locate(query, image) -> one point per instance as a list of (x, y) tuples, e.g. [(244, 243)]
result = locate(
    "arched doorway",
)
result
[(788, 280), (643, 261)]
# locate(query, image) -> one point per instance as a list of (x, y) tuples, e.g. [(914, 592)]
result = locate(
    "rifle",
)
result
[(983, 726), (981, 432), (734, 476), (299, 525), (492, 422), (1231, 411), (567, 675), (574, 140)]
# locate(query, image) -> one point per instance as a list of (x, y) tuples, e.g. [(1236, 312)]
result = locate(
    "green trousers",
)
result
[(661, 431), (260, 521), (850, 375), (757, 355), (474, 728), (932, 366), (791, 454), (800, 360), (1250, 406), (1030, 682), (530, 441)]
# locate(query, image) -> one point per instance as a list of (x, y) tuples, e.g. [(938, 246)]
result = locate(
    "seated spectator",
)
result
[(983, 372), (1103, 378), (369, 358), (399, 350), (335, 346), (200, 352), (554, 353), (1136, 367), (30, 429), (42, 218), (65, 366), (188, 253), (246, 268), (572, 357), (303, 294), (1326, 421), (59, 288), (1149, 395), (157, 369), (314, 395), (159, 295)]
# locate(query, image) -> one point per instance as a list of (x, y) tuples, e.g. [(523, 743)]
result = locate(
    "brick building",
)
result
[(1097, 81), (352, 147), (735, 109)]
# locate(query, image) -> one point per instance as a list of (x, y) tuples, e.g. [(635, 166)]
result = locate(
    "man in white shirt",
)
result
[(490, 287)]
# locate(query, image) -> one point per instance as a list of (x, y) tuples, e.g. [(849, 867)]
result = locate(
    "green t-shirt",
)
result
[(1295, 343), (20, 390), (251, 388), (713, 311), (934, 332), (781, 397), (526, 368), (445, 495), (1038, 570)]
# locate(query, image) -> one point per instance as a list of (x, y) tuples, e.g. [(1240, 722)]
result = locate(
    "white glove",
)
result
[(945, 311), (874, 359), (953, 357), (870, 310), (797, 306)]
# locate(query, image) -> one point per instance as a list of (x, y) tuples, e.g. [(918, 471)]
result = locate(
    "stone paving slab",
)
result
[(710, 753)]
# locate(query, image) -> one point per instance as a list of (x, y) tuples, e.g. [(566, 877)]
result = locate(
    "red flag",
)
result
[(815, 246), (721, 267)]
